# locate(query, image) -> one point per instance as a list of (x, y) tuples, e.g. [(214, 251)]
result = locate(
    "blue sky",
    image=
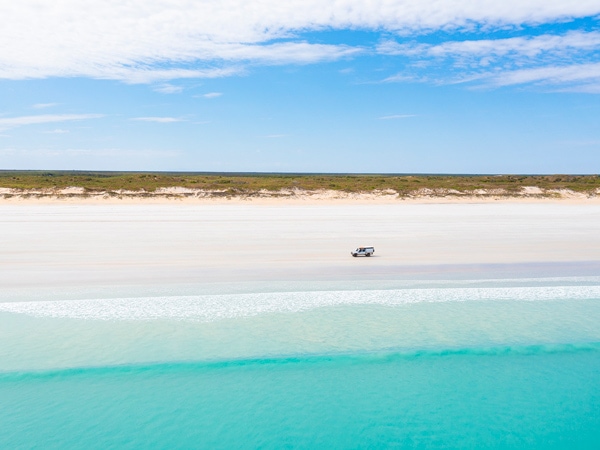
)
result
[(301, 86)]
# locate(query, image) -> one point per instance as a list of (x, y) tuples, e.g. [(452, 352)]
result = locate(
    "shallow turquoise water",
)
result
[(505, 398), (447, 368)]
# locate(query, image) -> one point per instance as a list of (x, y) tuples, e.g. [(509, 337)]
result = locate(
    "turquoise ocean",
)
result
[(466, 363)]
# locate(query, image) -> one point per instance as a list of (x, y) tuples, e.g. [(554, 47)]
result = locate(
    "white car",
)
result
[(363, 251)]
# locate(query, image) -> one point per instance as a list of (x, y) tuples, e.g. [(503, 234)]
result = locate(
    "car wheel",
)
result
[(368, 254)]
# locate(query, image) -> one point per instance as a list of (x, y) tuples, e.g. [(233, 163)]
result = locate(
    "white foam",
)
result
[(207, 308)]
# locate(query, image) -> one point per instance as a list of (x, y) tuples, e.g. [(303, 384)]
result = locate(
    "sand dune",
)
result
[(425, 195)]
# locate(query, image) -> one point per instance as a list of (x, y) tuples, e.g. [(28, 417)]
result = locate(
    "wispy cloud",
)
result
[(577, 77), (558, 60), (43, 105), (159, 119), (168, 89), (529, 47), (404, 78), (13, 122), (141, 73), (57, 131), (212, 95), (144, 42), (396, 116)]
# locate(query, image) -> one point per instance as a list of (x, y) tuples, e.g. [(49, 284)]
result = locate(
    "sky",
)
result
[(346, 86)]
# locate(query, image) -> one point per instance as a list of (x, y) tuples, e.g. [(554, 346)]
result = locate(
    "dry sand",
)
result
[(51, 244)]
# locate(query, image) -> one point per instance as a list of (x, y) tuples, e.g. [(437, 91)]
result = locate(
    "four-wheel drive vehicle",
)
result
[(363, 251)]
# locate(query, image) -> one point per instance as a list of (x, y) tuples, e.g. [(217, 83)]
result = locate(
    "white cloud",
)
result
[(285, 53), (158, 119), (212, 95), (577, 77), (404, 78), (168, 89), (57, 131), (12, 122), (141, 41), (43, 105), (529, 47), (558, 60), (149, 74), (396, 116)]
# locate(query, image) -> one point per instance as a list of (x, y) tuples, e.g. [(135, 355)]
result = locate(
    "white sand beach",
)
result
[(53, 244)]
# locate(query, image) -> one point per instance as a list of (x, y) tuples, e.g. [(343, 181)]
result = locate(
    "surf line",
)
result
[(208, 308)]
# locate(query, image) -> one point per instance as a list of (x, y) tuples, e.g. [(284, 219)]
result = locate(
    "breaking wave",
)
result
[(208, 308)]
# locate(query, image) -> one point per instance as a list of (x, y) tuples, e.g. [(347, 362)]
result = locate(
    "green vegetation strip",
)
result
[(249, 184)]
